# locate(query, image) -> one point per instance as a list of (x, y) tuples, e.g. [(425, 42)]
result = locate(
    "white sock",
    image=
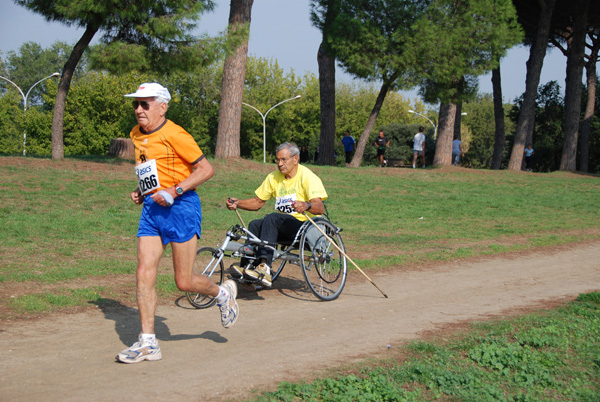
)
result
[(148, 338), (222, 296)]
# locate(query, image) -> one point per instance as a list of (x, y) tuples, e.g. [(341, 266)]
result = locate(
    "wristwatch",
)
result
[(178, 189)]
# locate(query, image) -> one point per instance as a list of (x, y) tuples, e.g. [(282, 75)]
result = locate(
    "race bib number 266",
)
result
[(147, 175)]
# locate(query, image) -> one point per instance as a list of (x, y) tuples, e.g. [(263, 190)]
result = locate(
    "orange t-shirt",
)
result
[(173, 150)]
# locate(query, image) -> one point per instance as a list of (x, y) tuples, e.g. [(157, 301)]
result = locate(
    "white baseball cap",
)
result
[(151, 89)]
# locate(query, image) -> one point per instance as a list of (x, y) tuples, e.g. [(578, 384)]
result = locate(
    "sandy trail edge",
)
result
[(282, 334)]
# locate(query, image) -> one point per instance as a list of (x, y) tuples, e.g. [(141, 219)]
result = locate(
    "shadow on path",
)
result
[(127, 324)]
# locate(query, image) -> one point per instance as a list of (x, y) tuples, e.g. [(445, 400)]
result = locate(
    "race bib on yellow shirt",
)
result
[(147, 174), (284, 204)]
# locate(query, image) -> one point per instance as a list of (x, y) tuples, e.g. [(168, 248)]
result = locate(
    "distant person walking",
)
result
[(419, 147), (381, 143), (456, 151), (348, 142), (303, 154), (529, 157)]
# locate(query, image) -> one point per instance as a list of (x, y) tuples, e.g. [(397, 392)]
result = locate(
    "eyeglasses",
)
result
[(283, 160), (145, 105)]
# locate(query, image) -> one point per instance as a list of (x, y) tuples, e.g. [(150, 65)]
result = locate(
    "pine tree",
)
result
[(455, 43)]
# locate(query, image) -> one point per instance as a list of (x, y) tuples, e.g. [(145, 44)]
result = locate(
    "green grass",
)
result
[(548, 356), (68, 226), (69, 220), (61, 298)]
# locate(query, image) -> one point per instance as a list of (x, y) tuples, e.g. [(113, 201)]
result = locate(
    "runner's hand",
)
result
[(136, 196), (158, 198)]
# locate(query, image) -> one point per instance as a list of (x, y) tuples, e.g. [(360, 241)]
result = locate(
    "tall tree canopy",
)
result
[(153, 28), (368, 39), (457, 41)]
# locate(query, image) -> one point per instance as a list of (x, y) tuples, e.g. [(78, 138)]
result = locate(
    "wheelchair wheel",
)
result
[(276, 269), (209, 264), (323, 265)]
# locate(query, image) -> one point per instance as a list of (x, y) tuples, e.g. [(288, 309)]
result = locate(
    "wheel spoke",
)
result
[(323, 265)]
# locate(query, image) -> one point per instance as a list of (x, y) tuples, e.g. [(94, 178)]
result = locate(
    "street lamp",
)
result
[(264, 119), (25, 100), (434, 126)]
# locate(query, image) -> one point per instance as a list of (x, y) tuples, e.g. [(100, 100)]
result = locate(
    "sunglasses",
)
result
[(145, 105)]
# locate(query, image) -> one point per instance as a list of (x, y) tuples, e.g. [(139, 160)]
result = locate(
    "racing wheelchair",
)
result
[(323, 264)]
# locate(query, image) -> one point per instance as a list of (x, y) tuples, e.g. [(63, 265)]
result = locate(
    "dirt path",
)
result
[(282, 334)]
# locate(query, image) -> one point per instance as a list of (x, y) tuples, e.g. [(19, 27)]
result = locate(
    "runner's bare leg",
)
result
[(183, 263), (149, 250)]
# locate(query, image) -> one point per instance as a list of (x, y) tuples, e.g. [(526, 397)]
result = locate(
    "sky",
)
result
[(280, 30)]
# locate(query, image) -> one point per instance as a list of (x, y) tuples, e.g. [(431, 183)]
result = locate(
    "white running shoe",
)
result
[(229, 308), (140, 351)]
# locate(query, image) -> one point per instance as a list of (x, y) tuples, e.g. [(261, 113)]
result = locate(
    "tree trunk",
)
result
[(326, 61), (498, 119), (327, 85), (586, 125), (58, 150), (575, 62), (364, 137), (457, 121), (232, 86), (532, 80), (122, 148), (443, 145)]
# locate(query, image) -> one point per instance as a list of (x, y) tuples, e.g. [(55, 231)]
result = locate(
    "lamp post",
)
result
[(25, 100), (264, 119), (434, 126)]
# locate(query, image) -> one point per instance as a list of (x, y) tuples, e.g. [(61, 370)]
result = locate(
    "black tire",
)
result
[(323, 265), (206, 264)]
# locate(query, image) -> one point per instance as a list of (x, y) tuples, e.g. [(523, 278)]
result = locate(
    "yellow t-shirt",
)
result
[(304, 186), (164, 157)]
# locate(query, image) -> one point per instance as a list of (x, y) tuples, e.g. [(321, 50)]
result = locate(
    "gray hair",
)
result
[(158, 99), (290, 146)]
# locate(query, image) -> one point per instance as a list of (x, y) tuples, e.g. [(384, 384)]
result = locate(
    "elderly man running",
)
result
[(169, 167)]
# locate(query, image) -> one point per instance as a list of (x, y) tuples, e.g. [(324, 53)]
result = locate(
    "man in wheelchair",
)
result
[(296, 190)]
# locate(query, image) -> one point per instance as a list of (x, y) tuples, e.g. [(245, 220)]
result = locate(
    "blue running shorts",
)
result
[(177, 223)]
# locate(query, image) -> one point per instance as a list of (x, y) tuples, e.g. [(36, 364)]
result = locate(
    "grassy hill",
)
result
[(68, 227)]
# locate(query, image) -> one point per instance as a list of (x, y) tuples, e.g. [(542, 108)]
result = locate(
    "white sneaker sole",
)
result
[(137, 356)]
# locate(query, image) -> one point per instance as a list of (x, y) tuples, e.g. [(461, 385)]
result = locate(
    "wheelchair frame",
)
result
[(324, 267)]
